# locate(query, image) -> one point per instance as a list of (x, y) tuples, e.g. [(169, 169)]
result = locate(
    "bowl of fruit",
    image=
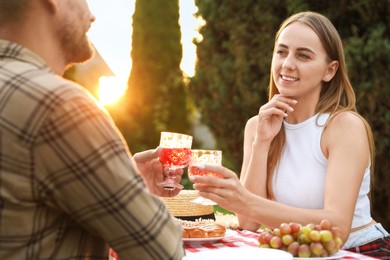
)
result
[(303, 241)]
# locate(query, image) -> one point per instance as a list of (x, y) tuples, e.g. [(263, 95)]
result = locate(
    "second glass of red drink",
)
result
[(203, 157)]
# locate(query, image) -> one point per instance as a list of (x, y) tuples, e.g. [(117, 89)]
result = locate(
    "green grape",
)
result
[(306, 230), (287, 239), (315, 235), (316, 248), (326, 235), (276, 242), (304, 239), (276, 232), (304, 251)]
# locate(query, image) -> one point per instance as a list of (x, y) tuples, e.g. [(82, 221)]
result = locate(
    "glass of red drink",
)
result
[(176, 153), (202, 157)]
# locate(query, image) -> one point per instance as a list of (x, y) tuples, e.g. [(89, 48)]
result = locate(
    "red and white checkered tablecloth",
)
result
[(246, 238)]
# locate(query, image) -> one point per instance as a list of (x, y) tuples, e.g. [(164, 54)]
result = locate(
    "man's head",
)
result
[(54, 29), (75, 21)]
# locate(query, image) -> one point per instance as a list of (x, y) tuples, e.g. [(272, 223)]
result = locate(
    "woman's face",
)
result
[(300, 63)]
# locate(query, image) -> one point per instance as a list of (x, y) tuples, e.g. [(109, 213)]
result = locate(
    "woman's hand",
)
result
[(227, 191), (271, 116), (152, 172)]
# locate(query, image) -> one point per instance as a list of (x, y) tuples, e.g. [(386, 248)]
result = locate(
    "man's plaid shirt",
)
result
[(68, 186)]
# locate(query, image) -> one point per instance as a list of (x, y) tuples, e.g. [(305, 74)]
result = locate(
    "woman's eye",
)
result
[(303, 56), (280, 52)]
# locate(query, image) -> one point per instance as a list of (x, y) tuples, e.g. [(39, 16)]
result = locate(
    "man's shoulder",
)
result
[(31, 94), (44, 84)]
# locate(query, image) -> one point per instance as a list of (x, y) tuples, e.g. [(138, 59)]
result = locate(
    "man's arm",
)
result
[(90, 175)]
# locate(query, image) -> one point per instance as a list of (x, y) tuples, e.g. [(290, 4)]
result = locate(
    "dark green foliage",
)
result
[(156, 99), (233, 67), (234, 62), (367, 48)]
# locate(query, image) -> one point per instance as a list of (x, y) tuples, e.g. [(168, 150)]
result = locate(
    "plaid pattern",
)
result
[(379, 248), (68, 188)]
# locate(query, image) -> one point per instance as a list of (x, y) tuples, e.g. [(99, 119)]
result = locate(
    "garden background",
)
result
[(232, 74)]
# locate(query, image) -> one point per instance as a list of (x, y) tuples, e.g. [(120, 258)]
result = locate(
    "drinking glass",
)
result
[(176, 153), (202, 157)]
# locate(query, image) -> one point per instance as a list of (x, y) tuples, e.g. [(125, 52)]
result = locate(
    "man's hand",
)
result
[(152, 172)]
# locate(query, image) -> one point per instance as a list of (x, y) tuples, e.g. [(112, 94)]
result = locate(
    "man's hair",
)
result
[(12, 10)]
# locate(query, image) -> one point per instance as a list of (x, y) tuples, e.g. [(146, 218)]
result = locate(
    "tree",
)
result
[(232, 73), (156, 99)]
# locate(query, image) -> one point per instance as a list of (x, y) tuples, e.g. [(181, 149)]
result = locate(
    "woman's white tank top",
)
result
[(299, 177)]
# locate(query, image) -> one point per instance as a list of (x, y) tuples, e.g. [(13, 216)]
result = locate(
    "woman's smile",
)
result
[(288, 78)]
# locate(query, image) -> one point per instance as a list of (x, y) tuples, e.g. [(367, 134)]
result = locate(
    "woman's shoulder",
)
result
[(347, 133), (252, 122), (345, 127), (253, 119), (346, 120)]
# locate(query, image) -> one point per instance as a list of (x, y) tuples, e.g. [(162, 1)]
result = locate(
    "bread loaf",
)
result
[(202, 229)]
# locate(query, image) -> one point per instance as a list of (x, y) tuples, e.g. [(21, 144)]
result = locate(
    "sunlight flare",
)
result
[(189, 26), (119, 59), (111, 89)]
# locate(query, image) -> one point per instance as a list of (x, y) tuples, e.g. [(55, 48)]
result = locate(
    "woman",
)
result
[(308, 154)]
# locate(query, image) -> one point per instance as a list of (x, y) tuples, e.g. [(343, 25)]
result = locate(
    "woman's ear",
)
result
[(331, 70)]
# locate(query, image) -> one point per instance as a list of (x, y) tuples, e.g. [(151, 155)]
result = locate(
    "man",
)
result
[(68, 186)]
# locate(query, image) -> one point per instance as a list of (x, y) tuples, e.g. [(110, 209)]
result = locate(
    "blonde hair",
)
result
[(336, 96)]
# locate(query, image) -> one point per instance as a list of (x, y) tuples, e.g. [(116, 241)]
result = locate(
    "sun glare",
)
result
[(189, 30), (111, 89)]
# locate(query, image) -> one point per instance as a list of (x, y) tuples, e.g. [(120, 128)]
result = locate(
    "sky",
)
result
[(111, 33)]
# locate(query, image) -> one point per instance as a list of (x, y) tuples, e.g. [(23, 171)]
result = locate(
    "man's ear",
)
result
[(52, 5), (331, 71)]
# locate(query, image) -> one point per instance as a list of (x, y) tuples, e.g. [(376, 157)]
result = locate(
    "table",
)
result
[(247, 238)]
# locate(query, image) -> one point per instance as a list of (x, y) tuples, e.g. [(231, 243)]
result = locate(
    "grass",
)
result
[(222, 210)]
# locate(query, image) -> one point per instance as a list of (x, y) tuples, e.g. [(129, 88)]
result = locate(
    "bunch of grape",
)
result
[(303, 241)]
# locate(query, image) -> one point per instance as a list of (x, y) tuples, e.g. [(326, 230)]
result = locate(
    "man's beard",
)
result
[(77, 48)]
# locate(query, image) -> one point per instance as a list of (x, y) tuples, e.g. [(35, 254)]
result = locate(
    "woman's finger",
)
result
[(265, 114), (282, 105)]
